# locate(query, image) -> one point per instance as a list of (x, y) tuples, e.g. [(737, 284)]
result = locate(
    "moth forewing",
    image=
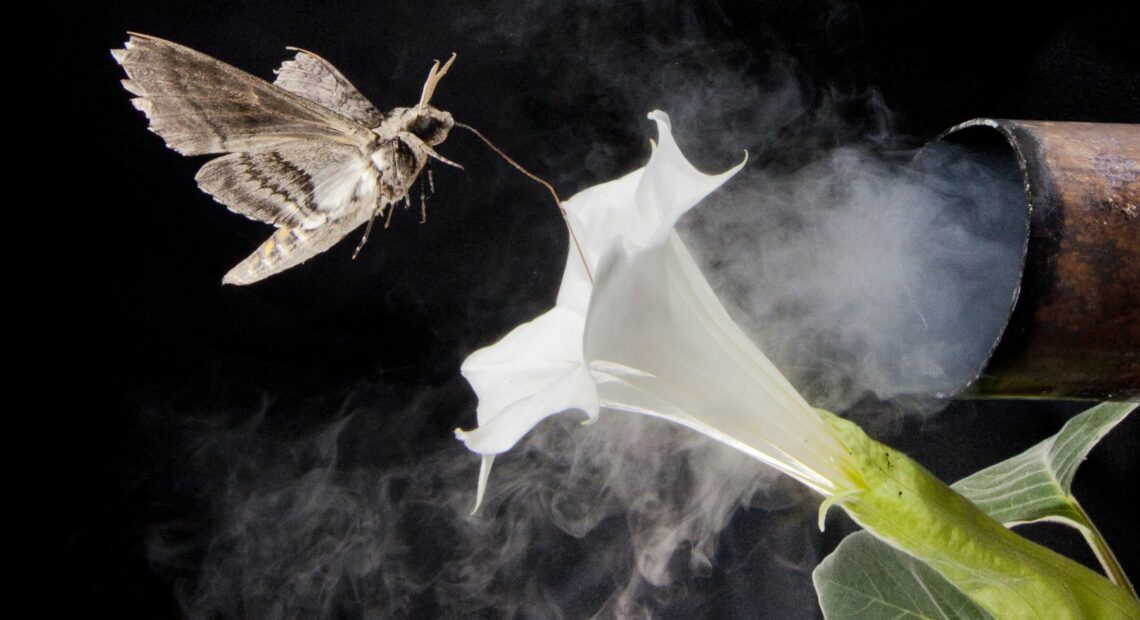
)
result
[(308, 153), (315, 79), (200, 105)]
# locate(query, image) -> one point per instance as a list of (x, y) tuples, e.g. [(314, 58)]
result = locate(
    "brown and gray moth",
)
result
[(307, 153)]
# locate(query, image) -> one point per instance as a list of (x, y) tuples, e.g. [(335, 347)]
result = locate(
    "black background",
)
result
[(140, 338)]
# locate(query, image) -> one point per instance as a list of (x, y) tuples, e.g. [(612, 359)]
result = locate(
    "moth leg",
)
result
[(388, 221), (368, 229), (423, 200)]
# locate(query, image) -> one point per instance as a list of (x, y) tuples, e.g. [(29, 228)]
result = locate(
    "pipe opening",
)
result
[(1073, 332), (978, 175)]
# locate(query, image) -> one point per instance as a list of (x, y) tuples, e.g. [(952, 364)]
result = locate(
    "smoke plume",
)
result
[(859, 273), (864, 274), (602, 520)]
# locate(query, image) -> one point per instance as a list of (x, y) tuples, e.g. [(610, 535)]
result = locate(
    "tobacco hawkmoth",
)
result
[(308, 153)]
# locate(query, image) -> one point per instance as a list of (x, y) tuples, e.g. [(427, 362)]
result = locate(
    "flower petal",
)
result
[(639, 209), (670, 187), (533, 372)]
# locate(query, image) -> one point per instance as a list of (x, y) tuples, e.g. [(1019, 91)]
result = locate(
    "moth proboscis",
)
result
[(308, 153)]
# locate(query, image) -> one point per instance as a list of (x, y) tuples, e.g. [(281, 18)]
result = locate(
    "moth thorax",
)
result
[(395, 157)]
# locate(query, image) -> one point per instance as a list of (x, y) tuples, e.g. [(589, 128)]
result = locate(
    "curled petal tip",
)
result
[(484, 475)]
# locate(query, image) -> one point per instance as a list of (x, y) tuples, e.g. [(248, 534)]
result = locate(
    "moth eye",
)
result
[(424, 127)]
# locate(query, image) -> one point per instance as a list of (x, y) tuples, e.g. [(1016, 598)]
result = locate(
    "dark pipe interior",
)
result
[(977, 169)]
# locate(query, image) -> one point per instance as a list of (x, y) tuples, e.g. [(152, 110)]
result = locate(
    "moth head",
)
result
[(429, 124)]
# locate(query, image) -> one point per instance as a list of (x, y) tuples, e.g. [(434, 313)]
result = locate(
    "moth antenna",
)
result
[(368, 231), (435, 74), (544, 183)]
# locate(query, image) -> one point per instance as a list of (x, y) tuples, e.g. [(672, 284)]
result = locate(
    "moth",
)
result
[(308, 153)]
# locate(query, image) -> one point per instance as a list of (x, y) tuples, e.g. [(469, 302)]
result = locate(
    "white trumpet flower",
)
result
[(648, 336)]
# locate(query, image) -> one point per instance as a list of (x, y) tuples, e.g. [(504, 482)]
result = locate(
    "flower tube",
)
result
[(659, 343)]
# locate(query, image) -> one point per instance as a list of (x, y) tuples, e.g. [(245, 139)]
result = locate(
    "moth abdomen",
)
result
[(289, 247), (270, 257)]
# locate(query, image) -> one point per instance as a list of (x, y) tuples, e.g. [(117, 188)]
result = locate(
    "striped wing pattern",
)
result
[(296, 153)]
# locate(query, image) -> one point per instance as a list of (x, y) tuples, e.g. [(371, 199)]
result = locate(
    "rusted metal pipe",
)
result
[(1074, 330)]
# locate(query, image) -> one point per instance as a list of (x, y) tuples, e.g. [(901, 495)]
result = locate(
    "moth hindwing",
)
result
[(308, 153)]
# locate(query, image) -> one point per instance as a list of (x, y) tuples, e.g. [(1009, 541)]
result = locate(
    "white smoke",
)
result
[(857, 273), (579, 521), (863, 274)]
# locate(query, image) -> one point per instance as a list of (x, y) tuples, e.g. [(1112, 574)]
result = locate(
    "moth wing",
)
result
[(201, 105), (289, 247), (315, 79), (298, 184)]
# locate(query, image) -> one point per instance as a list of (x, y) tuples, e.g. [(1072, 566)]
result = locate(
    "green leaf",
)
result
[(865, 578), (1035, 485)]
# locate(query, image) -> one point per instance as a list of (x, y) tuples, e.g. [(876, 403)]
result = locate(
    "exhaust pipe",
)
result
[(1074, 327)]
